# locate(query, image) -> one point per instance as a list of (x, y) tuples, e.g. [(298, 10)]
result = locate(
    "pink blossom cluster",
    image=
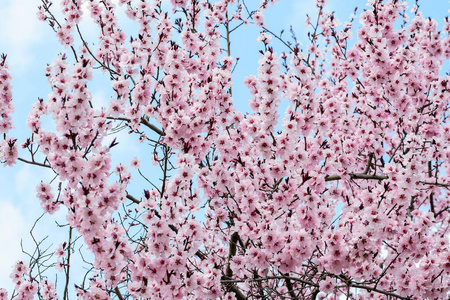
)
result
[(60, 253), (48, 290), (346, 191), (97, 290), (46, 196), (25, 286), (8, 146), (3, 294), (8, 151), (6, 104)]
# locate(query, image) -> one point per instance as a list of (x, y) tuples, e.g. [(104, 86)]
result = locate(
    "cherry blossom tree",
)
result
[(345, 194)]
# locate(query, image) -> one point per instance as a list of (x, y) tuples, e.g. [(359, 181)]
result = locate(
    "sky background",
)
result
[(31, 44)]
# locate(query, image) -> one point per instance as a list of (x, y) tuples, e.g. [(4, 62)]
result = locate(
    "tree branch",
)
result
[(270, 277), (117, 292), (92, 55), (34, 163), (133, 199), (436, 183), (290, 288), (357, 176), (363, 175), (237, 292), (368, 288), (144, 122), (66, 287), (232, 252)]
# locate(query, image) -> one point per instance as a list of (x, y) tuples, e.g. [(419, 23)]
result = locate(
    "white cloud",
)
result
[(13, 227), (20, 30), (20, 17), (99, 99), (297, 14), (25, 184), (88, 27)]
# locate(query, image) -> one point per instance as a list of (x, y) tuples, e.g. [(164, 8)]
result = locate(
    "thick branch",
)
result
[(117, 292), (363, 175), (270, 277), (357, 176), (232, 252), (152, 127), (229, 273), (290, 288), (237, 292), (432, 204)]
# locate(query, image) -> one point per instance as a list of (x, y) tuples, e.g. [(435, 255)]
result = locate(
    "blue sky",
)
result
[(31, 44)]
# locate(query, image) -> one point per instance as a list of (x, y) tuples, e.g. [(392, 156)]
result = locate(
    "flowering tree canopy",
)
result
[(344, 194)]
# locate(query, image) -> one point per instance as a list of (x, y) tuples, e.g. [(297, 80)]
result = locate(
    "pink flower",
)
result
[(327, 285), (307, 21), (320, 3), (135, 163), (48, 290), (3, 294), (40, 14), (8, 151), (121, 86), (64, 35), (258, 18), (45, 195)]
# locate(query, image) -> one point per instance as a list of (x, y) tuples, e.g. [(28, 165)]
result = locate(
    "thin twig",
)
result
[(34, 163), (66, 287), (143, 121)]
